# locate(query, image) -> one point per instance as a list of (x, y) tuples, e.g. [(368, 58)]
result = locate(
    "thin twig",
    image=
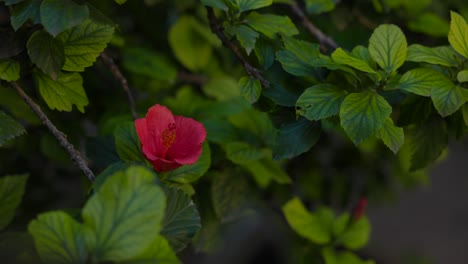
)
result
[(218, 30), (74, 154), (363, 20), (323, 39), (123, 81)]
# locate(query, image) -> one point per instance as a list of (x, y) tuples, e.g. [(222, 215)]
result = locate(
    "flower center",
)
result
[(169, 135)]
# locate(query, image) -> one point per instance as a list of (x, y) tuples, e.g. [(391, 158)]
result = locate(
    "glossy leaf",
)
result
[(83, 44), (295, 138), (127, 143), (363, 114), (181, 219), (46, 52), (62, 93), (320, 101), (9, 70), (443, 55), (191, 173), (125, 215), (11, 192), (250, 88), (341, 57), (59, 238), (59, 15), (388, 47), (245, 5), (458, 34), (27, 10), (9, 128), (422, 81), (304, 223), (270, 25), (392, 136)]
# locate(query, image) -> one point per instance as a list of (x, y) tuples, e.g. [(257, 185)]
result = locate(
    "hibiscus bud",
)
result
[(360, 208), (169, 141)]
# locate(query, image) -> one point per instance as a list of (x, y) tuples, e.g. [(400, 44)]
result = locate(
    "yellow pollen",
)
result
[(169, 135)]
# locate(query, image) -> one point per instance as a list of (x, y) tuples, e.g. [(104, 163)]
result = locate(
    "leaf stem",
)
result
[(123, 81), (60, 136), (218, 30)]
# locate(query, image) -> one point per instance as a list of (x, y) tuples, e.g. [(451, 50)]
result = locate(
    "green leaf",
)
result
[(363, 54), (462, 76), (245, 5), (320, 101), (9, 70), (270, 25), (127, 143), (458, 34), (46, 52), (62, 93), (363, 114), (266, 170), (222, 88), (356, 235), (265, 53), (181, 220), (243, 153), (18, 247), (341, 57), (120, 2), (343, 257), (191, 173), (21, 13), (250, 88), (83, 44), (11, 2), (11, 192), (422, 81), (9, 128), (449, 98), (427, 141), (246, 37), (59, 15), (149, 63), (59, 238), (388, 47), (392, 136), (465, 113), (429, 23), (295, 138), (297, 57), (125, 215), (158, 252), (304, 223), (293, 65), (319, 6), (340, 224), (443, 55), (215, 3)]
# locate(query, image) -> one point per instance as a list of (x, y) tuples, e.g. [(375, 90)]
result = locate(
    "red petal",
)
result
[(158, 119), (187, 147), (147, 143), (162, 165)]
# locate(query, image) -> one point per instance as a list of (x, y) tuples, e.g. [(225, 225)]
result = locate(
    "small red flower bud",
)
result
[(360, 208)]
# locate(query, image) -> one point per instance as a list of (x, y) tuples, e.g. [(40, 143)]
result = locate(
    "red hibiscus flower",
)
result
[(168, 141)]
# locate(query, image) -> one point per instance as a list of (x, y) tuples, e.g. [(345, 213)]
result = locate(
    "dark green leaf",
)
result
[(125, 215), (293, 65), (246, 37), (127, 143), (18, 247), (319, 6), (245, 5), (11, 193), (295, 138), (265, 54), (458, 34), (427, 141), (388, 47), (21, 13), (250, 88), (243, 153), (270, 25), (59, 15), (120, 2), (149, 63), (62, 93), (363, 114), (181, 220), (12, 2), (320, 101), (9, 70), (343, 257), (46, 52), (59, 238), (429, 23), (465, 113), (392, 136), (265, 171), (297, 57), (422, 81), (84, 43), (443, 55), (191, 173), (222, 88), (215, 3), (448, 99), (341, 57), (9, 128)]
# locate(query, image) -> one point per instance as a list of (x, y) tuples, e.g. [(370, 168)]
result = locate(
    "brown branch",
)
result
[(74, 154), (123, 81), (323, 39), (218, 30)]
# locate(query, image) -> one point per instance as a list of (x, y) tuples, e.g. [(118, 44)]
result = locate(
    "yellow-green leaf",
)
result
[(458, 34), (388, 47)]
